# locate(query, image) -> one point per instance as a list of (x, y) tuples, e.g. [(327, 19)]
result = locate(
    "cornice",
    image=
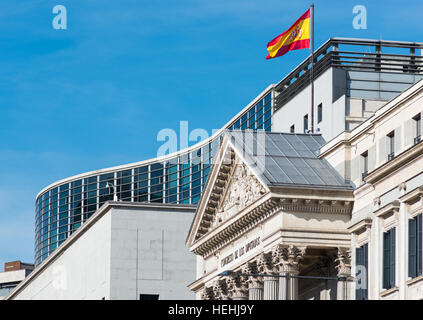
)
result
[(316, 206), (228, 232), (370, 122), (250, 219), (395, 164), (389, 208), (360, 225), (412, 196)]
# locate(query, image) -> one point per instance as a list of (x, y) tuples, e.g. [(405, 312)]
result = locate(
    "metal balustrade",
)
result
[(329, 56)]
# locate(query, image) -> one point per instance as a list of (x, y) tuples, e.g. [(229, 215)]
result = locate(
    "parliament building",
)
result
[(288, 200)]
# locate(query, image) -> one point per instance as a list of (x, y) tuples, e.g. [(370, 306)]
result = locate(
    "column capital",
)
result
[(207, 293), (265, 263), (236, 287), (343, 261), (252, 282), (288, 257), (220, 290)]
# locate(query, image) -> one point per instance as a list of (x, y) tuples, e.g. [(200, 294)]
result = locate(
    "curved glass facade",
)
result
[(178, 178)]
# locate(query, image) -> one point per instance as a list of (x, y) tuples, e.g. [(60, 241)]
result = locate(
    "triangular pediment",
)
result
[(243, 188), (232, 187)]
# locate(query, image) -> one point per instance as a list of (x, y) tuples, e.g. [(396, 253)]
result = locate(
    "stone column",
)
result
[(270, 288), (270, 284), (255, 284), (343, 267), (287, 259), (237, 288), (255, 290)]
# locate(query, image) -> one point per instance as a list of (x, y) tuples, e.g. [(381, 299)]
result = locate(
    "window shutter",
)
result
[(392, 259), (386, 253), (412, 249), (397, 139), (366, 265), (409, 130), (359, 262), (421, 122), (372, 158), (419, 243), (383, 155), (355, 169)]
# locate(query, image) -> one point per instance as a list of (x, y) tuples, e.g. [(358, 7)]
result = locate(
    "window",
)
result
[(292, 129), (361, 273), (415, 246), (365, 165), (106, 188), (124, 185), (389, 259), (306, 123), (417, 120), (319, 113), (391, 146), (244, 121), (252, 118)]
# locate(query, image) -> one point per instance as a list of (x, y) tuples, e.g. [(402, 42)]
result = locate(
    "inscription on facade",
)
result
[(239, 252)]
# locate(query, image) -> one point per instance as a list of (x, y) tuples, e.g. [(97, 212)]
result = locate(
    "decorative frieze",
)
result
[(239, 227), (316, 205), (264, 210)]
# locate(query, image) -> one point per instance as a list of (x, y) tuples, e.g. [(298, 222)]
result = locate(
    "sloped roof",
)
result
[(287, 159)]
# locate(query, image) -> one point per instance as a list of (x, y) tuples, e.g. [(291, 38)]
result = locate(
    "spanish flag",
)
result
[(296, 37)]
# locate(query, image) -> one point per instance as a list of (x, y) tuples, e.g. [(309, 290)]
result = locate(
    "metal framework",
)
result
[(363, 59)]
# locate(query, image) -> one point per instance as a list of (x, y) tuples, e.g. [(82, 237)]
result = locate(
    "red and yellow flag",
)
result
[(296, 37)]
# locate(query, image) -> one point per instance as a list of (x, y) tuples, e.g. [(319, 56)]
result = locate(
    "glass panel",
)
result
[(252, 118), (76, 183), (106, 188), (64, 187), (244, 121), (268, 98)]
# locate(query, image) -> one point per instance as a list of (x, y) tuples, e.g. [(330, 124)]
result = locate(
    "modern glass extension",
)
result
[(178, 178)]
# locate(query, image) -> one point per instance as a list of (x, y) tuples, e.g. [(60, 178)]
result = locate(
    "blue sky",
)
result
[(96, 95)]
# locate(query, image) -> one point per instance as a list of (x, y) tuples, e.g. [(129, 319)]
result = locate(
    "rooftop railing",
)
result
[(341, 53)]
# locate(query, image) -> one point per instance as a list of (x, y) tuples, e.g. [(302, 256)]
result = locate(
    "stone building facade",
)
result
[(342, 218)]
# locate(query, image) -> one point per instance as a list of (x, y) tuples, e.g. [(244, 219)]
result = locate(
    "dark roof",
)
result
[(287, 159)]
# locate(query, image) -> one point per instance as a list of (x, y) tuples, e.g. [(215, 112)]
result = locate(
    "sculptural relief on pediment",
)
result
[(243, 189)]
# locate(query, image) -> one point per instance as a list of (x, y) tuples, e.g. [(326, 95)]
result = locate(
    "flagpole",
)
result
[(312, 68)]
